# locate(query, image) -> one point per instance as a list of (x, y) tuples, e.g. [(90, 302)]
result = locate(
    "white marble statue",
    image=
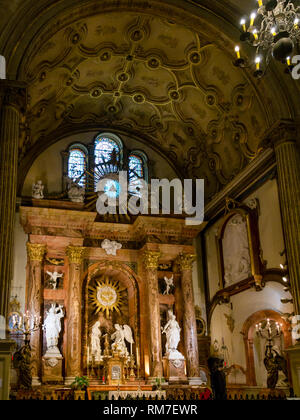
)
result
[(110, 247), (52, 326), (169, 282), (95, 342), (38, 190), (172, 331), (236, 252), (76, 192), (53, 278), (119, 336)]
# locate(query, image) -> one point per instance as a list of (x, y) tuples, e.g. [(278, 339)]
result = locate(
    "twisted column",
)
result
[(13, 101), (151, 264), (35, 253), (185, 262), (73, 357)]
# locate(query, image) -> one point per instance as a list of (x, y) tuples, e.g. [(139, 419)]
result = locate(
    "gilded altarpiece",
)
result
[(114, 306)]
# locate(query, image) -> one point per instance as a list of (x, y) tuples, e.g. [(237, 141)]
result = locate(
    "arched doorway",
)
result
[(255, 376)]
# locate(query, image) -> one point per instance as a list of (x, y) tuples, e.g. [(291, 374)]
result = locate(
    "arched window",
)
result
[(108, 154), (106, 148), (77, 165), (137, 168)]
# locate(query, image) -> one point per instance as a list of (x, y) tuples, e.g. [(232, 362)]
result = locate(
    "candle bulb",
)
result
[(260, 3), (243, 23), (296, 23), (252, 18), (257, 61), (255, 34), (273, 31), (237, 50)]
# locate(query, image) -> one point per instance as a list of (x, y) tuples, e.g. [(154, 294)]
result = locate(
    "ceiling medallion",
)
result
[(153, 63), (137, 35), (123, 77), (105, 56), (96, 92), (274, 31), (106, 296), (194, 58), (174, 95), (139, 98), (210, 100)]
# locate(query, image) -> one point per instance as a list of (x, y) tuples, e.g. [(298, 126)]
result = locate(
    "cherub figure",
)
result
[(169, 284)]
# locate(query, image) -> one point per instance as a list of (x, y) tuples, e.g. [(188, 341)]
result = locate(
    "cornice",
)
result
[(256, 170)]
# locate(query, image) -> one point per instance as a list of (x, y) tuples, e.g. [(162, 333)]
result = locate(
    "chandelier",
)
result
[(274, 30)]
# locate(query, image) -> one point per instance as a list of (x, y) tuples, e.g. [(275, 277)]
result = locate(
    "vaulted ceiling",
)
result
[(154, 71)]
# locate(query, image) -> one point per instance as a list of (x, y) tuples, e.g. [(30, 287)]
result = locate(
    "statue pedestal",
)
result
[(175, 370), (115, 370), (294, 356), (52, 366), (6, 349)]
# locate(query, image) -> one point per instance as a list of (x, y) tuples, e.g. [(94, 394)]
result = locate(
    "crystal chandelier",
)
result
[(274, 30)]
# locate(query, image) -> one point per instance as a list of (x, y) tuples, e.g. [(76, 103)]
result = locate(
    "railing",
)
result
[(176, 395)]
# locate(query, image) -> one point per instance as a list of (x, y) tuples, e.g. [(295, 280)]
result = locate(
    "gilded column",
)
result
[(34, 304), (284, 138), (73, 356), (185, 262), (13, 102), (151, 263)]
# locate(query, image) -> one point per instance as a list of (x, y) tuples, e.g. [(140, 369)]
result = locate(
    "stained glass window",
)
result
[(77, 166), (136, 167), (104, 148)]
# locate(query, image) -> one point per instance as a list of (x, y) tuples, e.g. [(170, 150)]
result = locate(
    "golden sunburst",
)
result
[(106, 296)]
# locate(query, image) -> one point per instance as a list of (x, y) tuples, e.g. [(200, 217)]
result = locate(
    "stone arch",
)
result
[(132, 283), (248, 332)]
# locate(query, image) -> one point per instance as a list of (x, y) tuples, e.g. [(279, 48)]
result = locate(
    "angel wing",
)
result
[(128, 334)]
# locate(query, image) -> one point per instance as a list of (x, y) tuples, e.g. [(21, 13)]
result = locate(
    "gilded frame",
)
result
[(251, 218)]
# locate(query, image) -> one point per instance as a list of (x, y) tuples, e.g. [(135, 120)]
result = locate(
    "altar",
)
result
[(119, 298)]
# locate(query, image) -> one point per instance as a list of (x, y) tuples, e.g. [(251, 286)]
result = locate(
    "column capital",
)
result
[(283, 131), (150, 259), (35, 252), (14, 93), (75, 254), (185, 261)]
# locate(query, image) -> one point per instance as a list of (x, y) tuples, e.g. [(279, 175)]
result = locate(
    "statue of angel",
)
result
[(75, 191), (119, 336), (38, 190), (110, 247), (169, 283), (53, 278)]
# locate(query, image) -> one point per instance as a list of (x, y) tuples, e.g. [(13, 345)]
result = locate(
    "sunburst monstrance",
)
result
[(106, 296)]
